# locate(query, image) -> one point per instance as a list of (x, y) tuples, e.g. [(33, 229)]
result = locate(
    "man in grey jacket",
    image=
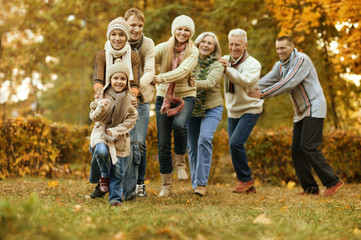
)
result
[(295, 74)]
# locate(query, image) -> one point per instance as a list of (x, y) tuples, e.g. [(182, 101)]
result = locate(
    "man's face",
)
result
[(284, 49), (236, 46)]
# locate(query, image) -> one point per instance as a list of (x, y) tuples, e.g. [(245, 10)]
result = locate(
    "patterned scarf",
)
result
[(286, 64), (172, 104), (137, 44), (229, 86), (205, 64)]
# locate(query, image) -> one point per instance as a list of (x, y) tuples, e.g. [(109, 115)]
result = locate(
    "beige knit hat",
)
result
[(118, 66), (118, 24), (183, 21)]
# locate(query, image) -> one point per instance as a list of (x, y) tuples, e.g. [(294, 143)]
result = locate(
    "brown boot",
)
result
[(166, 188), (180, 163), (243, 186)]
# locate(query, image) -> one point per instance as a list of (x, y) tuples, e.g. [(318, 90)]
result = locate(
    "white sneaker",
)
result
[(140, 190)]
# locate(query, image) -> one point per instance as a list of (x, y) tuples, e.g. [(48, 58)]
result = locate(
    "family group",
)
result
[(185, 78)]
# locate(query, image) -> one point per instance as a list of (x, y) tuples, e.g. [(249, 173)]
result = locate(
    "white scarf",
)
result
[(125, 53)]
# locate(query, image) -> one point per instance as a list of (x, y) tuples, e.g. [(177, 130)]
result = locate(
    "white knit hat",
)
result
[(118, 66), (183, 21), (118, 24)]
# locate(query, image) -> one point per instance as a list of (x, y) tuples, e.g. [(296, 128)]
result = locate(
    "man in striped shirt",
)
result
[(295, 74)]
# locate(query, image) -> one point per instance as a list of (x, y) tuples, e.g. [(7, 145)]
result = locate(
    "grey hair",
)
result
[(217, 47), (238, 32)]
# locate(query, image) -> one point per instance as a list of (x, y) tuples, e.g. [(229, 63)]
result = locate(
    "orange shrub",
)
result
[(36, 146)]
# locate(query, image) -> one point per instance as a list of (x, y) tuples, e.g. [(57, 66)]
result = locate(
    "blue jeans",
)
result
[(115, 172), (200, 147), (239, 130), (142, 129), (131, 166), (165, 125)]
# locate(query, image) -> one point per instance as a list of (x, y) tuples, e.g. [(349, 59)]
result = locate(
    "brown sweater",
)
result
[(100, 71)]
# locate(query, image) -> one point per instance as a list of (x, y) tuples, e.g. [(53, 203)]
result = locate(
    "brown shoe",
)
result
[(116, 204), (308, 193), (251, 190), (243, 186), (332, 190), (104, 185)]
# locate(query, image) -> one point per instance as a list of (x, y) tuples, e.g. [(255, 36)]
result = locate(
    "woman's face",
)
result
[(206, 46), (118, 81), (117, 39), (135, 27), (182, 34)]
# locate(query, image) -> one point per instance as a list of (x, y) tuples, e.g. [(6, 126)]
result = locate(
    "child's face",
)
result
[(117, 39), (118, 81)]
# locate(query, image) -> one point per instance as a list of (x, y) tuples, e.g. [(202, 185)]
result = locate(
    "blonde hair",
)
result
[(217, 47), (170, 51)]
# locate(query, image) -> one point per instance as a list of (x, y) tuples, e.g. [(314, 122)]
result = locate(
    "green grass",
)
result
[(31, 209)]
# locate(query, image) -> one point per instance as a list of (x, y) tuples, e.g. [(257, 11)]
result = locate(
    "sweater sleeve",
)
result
[(248, 75), (182, 70), (134, 84), (270, 78), (148, 71), (213, 79), (299, 69), (127, 125), (99, 113), (99, 70)]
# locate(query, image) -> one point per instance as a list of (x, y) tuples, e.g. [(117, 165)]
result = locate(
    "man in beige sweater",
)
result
[(241, 74)]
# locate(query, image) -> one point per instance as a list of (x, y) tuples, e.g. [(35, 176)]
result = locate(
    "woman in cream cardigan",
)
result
[(176, 59)]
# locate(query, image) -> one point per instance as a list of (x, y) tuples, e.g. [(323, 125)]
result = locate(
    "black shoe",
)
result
[(97, 193)]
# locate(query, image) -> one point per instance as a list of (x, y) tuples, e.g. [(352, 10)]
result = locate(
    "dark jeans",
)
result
[(165, 126), (307, 136), (239, 130)]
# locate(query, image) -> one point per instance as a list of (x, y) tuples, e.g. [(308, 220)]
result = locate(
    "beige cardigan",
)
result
[(120, 132), (180, 75)]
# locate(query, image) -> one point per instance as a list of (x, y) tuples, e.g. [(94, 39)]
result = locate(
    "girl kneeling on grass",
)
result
[(114, 117)]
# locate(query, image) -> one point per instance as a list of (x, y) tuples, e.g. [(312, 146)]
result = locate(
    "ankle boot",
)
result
[(180, 163), (166, 188)]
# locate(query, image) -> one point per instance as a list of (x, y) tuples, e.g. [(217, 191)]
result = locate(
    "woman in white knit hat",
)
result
[(175, 98), (116, 47)]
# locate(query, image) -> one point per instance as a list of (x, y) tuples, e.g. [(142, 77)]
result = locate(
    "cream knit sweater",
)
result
[(147, 71), (180, 75), (245, 78)]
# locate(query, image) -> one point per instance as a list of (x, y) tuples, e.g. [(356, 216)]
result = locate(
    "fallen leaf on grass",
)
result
[(290, 185), (77, 208), (262, 219), (53, 184), (281, 200), (118, 236), (284, 208)]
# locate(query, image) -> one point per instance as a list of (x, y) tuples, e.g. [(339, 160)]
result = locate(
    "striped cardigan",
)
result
[(301, 83)]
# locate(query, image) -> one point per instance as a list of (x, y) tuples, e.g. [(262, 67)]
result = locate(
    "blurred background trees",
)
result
[(47, 49)]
